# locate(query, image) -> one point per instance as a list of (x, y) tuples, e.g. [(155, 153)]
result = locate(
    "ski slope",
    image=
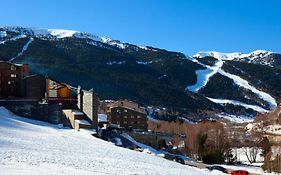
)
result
[(25, 47), (34, 147), (238, 103), (203, 77)]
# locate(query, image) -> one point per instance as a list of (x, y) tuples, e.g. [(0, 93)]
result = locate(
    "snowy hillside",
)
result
[(57, 34), (230, 83), (28, 147), (203, 77), (261, 57)]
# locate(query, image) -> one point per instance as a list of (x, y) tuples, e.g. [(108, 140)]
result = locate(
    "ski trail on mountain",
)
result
[(245, 84), (203, 77), (13, 38), (239, 103), (25, 47)]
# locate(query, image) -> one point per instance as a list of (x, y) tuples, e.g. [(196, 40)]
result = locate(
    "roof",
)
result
[(140, 110), (63, 84), (34, 75), (15, 64)]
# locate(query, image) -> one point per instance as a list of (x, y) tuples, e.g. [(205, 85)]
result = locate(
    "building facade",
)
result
[(88, 102), (35, 87), (127, 114), (58, 92), (11, 79)]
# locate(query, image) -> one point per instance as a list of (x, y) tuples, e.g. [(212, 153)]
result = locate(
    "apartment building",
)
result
[(11, 76)]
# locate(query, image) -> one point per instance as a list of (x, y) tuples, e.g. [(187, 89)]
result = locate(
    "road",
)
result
[(203, 165)]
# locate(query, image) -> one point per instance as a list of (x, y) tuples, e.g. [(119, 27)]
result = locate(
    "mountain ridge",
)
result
[(149, 75)]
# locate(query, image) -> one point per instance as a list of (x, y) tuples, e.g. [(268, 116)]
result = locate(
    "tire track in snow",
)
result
[(25, 47)]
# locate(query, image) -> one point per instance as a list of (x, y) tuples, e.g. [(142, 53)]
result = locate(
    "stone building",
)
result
[(88, 102)]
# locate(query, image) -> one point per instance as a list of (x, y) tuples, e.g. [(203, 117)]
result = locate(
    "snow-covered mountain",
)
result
[(34, 147), (57, 34), (237, 84), (261, 57)]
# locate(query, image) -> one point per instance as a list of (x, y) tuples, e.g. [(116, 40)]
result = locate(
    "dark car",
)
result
[(239, 172), (219, 168), (174, 157), (179, 159)]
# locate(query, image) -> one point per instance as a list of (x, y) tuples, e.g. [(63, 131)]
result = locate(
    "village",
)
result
[(127, 124)]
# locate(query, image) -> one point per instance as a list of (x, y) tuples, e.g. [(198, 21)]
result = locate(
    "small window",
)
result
[(132, 116), (125, 122), (138, 116), (125, 116), (125, 110), (13, 75), (13, 67)]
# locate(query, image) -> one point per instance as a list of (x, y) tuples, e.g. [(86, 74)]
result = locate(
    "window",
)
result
[(125, 110), (125, 122), (125, 116), (13, 67), (138, 116), (132, 116), (13, 75)]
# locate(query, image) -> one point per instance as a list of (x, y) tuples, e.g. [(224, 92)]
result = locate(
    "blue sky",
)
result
[(187, 26)]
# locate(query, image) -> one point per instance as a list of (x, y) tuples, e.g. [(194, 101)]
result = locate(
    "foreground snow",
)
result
[(28, 147)]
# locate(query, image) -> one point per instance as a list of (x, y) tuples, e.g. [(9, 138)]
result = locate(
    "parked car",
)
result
[(117, 141), (239, 172), (219, 168), (174, 157)]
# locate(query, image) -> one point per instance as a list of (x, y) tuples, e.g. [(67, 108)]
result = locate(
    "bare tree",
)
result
[(251, 153)]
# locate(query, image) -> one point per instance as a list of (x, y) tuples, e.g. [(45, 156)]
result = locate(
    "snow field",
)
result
[(28, 147)]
